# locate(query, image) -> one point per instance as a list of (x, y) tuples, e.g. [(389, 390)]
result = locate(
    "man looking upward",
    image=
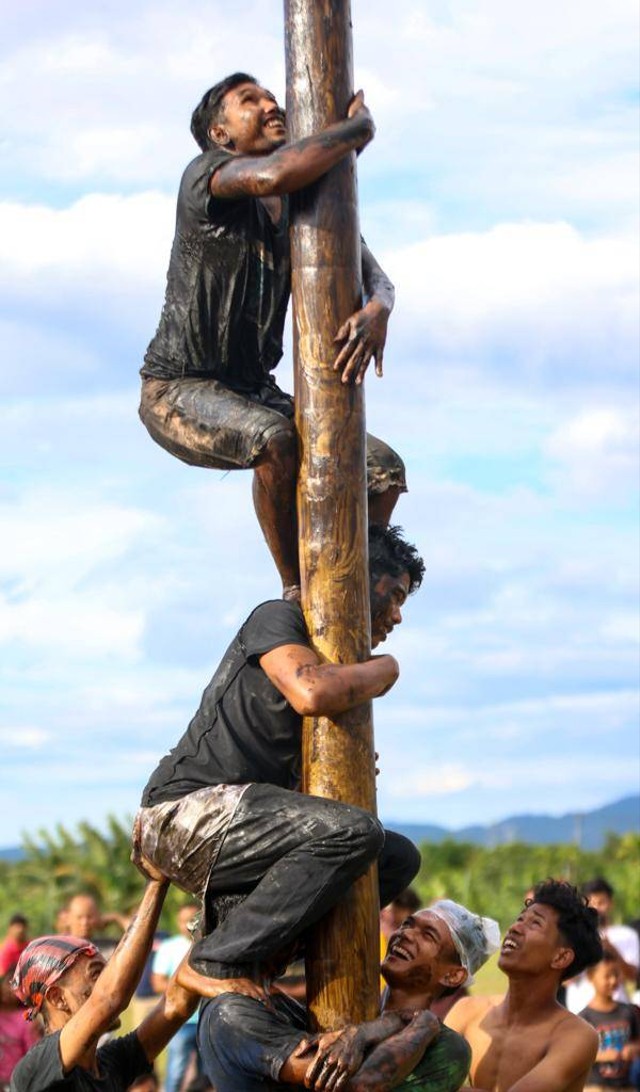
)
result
[(526, 1041), (208, 393)]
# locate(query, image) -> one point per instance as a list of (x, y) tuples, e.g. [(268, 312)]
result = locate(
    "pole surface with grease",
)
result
[(338, 756)]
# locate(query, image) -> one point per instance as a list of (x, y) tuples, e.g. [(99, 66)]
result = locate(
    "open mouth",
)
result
[(509, 945), (398, 951)]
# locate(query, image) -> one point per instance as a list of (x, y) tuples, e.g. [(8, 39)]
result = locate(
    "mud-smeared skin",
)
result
[(271, 174)]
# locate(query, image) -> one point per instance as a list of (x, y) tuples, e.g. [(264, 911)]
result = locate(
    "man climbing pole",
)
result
[(221, 813), (208, 393)]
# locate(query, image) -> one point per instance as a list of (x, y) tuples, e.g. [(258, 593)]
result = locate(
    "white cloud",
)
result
[(23, 737), (541, 294), (99, 234), (596, 452)]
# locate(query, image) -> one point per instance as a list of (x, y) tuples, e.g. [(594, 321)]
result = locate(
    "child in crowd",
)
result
[(617, 1024)]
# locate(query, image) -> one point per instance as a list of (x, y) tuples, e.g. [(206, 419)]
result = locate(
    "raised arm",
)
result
[(293, 166), (116, 983), (171, 1012), (316, 689)]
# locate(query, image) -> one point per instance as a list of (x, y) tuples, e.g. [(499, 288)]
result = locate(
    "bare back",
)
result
[(550, 1052)]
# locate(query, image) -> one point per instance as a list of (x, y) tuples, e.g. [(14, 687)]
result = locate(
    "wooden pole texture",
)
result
[(338, 757)]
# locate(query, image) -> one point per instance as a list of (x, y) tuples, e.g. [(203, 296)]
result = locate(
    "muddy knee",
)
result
[(279, 453)]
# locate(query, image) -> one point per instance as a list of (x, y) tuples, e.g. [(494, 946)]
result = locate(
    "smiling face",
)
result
[(251, 122), (421, 956), (533, 944), (387, 598)]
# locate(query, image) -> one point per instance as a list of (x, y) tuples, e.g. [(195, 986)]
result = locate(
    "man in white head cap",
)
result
[(267, 1046)]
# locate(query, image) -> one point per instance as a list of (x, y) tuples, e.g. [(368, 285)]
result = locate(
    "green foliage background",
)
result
[(495, 881), (58, 864), (489, 881)]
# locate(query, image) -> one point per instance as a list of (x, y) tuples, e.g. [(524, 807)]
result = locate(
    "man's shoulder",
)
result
[(569, 1028), (205, 163), (277, 621), (469, 1010), (41, 1062)]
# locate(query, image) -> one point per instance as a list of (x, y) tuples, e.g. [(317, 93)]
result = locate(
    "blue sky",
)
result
[(501, 194)]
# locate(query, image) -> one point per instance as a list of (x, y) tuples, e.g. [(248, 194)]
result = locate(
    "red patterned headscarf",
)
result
[(42, 963)]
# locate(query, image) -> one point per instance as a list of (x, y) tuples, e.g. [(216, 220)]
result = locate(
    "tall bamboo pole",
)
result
[(338, 761)]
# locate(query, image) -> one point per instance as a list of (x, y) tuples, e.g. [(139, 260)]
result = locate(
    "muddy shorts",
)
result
[(204, 423), (183, 837)]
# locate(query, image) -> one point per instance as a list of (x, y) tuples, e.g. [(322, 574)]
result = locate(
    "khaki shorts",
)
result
[(183, 837), (204, 423)]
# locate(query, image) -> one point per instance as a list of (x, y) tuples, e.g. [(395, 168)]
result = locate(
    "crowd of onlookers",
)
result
[(606, 995)]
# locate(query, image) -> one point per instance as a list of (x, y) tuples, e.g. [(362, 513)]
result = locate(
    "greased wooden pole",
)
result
[(338, 757)]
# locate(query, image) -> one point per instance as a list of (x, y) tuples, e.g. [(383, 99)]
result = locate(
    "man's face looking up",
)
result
[(421, 954), (251, 122)]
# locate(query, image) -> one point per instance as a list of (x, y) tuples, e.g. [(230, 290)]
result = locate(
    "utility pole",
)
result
[(338, 757)]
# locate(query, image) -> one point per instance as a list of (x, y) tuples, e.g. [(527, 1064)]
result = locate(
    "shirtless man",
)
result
[(526, 1041)]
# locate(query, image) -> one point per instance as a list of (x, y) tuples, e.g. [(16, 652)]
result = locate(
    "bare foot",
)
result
[(213, 987)]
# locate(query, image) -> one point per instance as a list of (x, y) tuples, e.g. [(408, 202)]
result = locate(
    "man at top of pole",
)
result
[(208, 393)]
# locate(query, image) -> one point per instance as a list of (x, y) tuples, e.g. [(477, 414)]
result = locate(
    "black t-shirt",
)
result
[(244, 730), (238, 1037), (120, 1062), (228, 286), (615, 1029)]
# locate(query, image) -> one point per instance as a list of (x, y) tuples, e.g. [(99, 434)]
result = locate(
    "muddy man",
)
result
[(208, 393)]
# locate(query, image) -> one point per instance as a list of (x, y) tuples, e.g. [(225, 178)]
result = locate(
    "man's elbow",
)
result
[(316, 701)]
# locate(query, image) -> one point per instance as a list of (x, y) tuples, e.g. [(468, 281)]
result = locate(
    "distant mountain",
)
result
[(588, 829)]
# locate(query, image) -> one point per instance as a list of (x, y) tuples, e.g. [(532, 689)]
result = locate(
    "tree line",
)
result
[(56, 865)]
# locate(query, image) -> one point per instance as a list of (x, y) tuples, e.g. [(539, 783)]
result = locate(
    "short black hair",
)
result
[(577, 922), (597, 886), (18, 919), (208, 110), (390, 555), (408, 899)]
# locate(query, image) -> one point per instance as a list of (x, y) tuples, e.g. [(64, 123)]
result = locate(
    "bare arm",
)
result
[(393, 1060), (159, 982), (293, 166), (317, 689), (115, 918), (628, 970), (393, 1045), (177, 1005), (364, 334), (114, 988), (568, 1060)]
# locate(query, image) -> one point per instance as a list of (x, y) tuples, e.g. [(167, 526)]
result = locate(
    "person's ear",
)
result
[(219, 135), (562, 959), (453, 978), (55, 998)]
